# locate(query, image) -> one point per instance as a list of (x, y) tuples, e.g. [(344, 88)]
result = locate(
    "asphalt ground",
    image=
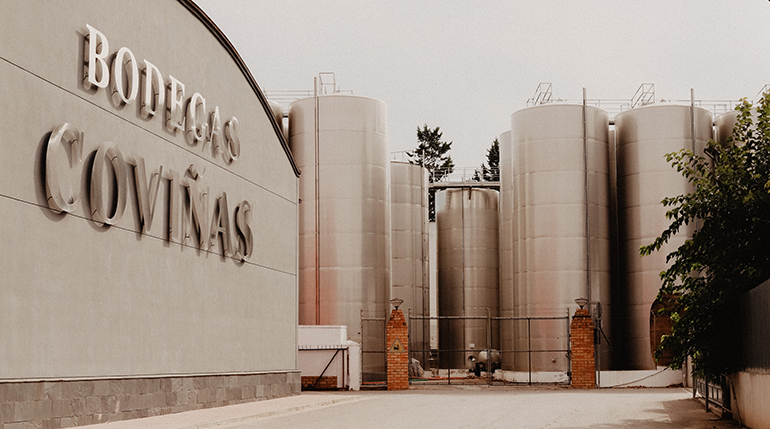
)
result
[(454, 407)]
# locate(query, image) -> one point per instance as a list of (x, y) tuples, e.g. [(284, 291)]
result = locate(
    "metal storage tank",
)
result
[(560, 199), (725, 123), (339, 144), (466, 220), (409, 244), (643, 137), (506, 250), (278, 114)]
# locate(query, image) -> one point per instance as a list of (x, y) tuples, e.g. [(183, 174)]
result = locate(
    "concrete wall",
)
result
[(751, 392), (80, 300), (752, 386)]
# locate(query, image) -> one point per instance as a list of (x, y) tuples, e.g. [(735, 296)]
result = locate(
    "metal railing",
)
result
[(543, 94), (466, 175), (644, 96), (713, 392), (327, 84), (456, 176), (493, 324)]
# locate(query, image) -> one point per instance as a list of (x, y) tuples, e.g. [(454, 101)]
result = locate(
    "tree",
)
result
[(490, 172), (431, 152), (728, 254)]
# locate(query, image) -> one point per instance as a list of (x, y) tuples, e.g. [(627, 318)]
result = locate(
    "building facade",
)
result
[(148, 209)]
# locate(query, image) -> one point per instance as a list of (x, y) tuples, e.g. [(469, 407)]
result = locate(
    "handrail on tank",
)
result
[(400, 156), (325, 87), (644, 95), (455, 176), (469, 175), (543, 94)]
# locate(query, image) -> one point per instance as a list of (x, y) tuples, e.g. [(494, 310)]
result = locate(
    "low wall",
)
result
[(325, 350), (66, 403), (752, 385), (662, 377), (752, 391)]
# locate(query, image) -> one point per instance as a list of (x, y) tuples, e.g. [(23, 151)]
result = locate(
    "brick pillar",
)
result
[(583, 366), (398, 357)]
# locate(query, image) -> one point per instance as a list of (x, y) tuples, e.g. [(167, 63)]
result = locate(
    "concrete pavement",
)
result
[(454, 407)]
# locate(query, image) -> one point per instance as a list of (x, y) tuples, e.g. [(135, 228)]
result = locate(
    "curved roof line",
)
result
[(225, 42)]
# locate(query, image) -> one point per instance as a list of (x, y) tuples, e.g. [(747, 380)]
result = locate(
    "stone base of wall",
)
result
[(66, 403), (325, 383)]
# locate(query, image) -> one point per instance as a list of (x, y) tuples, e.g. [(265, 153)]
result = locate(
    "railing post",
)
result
[(529, 348), (489, 347), (409, 344)]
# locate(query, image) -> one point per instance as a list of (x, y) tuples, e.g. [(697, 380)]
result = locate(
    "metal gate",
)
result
[(373, 352), (515, 354)]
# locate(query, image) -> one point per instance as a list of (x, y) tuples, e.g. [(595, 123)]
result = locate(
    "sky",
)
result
[(467, 66)]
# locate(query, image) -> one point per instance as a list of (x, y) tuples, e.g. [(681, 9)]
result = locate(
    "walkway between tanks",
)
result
[(454, 407)]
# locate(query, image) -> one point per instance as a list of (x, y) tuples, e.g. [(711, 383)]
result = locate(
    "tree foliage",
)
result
[(490, 171), (730, 251), (432, 153)]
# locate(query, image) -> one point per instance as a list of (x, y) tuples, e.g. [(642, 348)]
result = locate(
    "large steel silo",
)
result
[(506, 250), (468, 257), (409, 244), (339, 143), (643, 137), (560, 227), (724, 125)]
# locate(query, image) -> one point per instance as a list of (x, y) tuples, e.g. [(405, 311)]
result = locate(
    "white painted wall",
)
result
[(325, 350), (752, 390)]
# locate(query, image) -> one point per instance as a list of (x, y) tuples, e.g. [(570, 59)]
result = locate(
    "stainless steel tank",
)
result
[(643, 137), (409, 244), (724, 125), (468, 258), (339, 143), (277, 110), (506, 251), (559, 252)]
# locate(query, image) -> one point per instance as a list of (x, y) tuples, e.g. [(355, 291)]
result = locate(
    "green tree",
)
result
[(728, 254), (490, 171), (432, 153)]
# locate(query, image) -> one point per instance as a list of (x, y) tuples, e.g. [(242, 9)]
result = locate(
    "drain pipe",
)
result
[(588, 220), (317, 214)]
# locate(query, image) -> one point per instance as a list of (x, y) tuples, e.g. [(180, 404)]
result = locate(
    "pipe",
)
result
[(462, 233), (692, 131), (317, 214), (489, 346), (588, 219)]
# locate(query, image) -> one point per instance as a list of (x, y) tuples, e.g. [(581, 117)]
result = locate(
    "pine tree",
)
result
[(490, 171), (431, 153)]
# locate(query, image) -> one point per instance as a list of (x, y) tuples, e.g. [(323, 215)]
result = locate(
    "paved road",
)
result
[(455, 407)]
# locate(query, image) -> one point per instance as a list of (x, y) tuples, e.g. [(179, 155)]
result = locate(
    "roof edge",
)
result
[(225, 42)]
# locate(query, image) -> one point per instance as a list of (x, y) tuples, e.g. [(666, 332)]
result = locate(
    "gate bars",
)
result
[(413, 351)]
